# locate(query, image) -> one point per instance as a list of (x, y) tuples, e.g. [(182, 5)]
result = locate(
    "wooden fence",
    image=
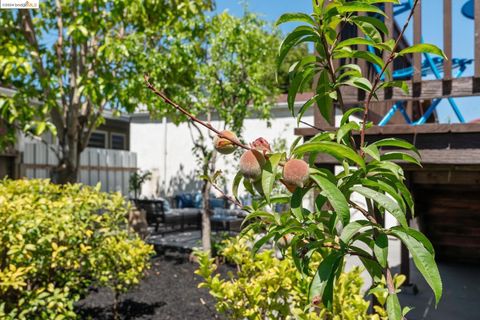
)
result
[(112, 168)]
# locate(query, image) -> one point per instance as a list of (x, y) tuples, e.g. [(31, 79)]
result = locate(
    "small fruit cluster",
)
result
[(295, 171)]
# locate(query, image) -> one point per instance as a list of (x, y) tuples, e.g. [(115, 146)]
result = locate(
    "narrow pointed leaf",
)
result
[(423, 259), (295, 17), (351, 229), (335, 197), (269, 173), (324, 273), (393, 307), (336, 150), (380, 249), (384, 202), (423, 48)]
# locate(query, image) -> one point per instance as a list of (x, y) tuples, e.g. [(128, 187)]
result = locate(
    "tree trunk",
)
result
[(69, 165), (206, 226)]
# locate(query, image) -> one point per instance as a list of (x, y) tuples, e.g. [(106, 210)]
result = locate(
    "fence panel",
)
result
[(112, 168)]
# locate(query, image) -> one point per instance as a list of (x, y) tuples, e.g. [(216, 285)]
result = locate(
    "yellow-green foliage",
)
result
[(265, 287), (56, 241)]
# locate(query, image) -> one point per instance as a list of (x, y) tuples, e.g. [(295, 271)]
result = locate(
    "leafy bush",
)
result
[(265, 287), (56, 241)]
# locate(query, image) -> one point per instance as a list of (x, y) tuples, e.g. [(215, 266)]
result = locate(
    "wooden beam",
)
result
[(447, 38), (405, 129), (477, 38), (444, 157), (428, 89), (417, 39)]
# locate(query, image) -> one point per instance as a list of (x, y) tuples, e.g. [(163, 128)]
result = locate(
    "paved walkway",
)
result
[(461, 290), (461, 294)]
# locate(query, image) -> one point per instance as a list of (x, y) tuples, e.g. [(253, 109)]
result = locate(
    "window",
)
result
[(118, 141), (98, 140)]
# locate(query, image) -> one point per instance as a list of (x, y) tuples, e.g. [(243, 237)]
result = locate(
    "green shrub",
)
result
[(265, 287), (56, 241)]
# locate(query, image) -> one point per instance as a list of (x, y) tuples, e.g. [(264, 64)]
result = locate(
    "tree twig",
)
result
[(312, 126), (226, 196), (363, 211), (379, 76), (191, 116)]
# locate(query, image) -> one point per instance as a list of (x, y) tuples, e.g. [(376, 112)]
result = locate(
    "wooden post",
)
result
[(477, 38), (417, 38), (447, 39)]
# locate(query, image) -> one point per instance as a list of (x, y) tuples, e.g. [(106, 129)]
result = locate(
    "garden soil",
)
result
[(169, 291)]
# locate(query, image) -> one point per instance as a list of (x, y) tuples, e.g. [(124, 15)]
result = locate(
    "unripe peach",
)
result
[(262, 145), (296, 173), (225, 146), (251, 163)]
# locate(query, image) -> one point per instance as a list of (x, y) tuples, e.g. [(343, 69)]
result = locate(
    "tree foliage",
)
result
[(70, 61), (371, 171), (235, 79)]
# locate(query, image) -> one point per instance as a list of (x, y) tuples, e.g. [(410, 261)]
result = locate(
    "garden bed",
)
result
[(169, 291)]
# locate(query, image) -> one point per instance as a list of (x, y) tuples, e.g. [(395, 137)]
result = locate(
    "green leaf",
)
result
[(357, 6), (296, 203), (348, 113), (354, 42), (372, 266), (389, 156), (334, 149), (351, 229), (295, 17), (423, 48), (248, 186), (346, 129), (299, 79), (423, 259), (384, 202), (299, 35), (370, 27), (324, 101), (394, 142), (306, 106), (334, 196), (372, 151), (270, 217), (295, 143), (394, 310), (325, 273), (419, 237), (262, 241), (360, 83), (236, 182), (397, 84), (380, 249), (269, 172), (377, 23)]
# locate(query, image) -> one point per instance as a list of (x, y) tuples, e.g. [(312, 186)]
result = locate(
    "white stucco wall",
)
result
[(166, 150)]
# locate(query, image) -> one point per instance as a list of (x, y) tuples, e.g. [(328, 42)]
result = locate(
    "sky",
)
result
[(432, 25)]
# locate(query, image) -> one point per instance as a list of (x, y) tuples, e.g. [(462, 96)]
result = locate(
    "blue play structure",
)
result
[(467, 9), (430, 66)]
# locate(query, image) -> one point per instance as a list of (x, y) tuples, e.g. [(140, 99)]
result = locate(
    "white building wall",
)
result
[(166, 150)]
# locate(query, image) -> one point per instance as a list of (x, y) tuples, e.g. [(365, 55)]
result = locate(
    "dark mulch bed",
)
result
[(169, 291)]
